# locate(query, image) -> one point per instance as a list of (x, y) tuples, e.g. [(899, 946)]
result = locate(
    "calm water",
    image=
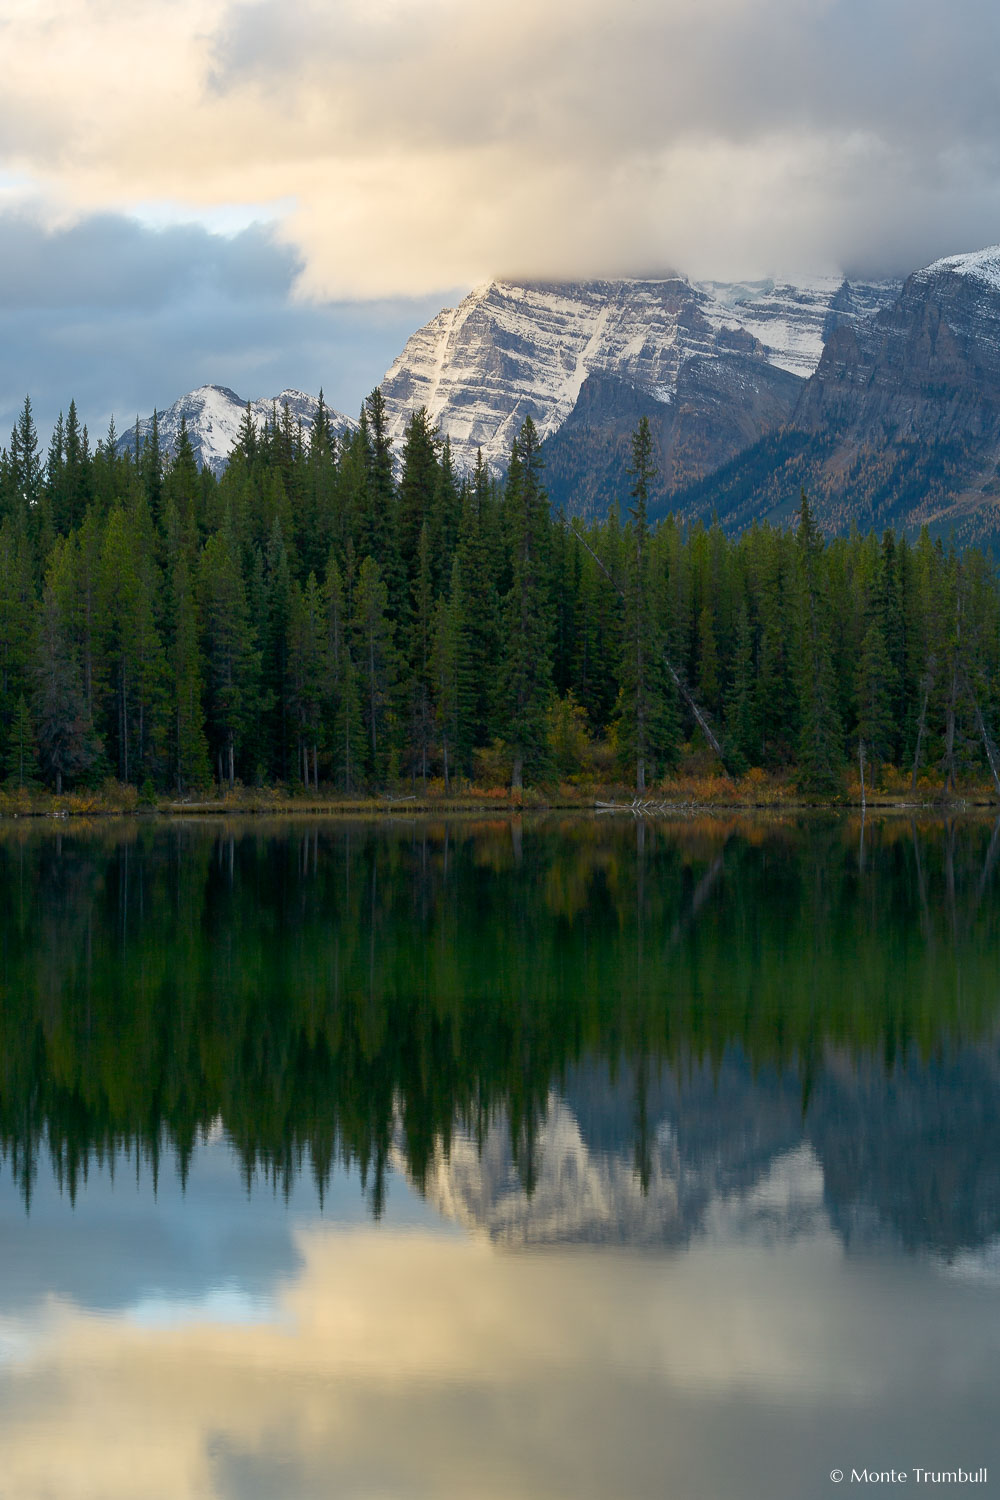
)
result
[(566, 1159)]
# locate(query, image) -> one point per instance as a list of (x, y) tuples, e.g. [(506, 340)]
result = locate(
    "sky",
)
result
[(253, 1349), (271, 193)]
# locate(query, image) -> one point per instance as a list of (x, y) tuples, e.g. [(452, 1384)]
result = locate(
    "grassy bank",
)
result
[(691, 786)]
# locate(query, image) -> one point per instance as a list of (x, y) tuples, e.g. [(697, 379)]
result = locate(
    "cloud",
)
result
[(412, 1363), (414, 146), (122, 317)]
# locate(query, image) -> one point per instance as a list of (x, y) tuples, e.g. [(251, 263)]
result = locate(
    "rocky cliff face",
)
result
[(926, 367), (899, 424), (882, 399), (213, 415), (728, 358)]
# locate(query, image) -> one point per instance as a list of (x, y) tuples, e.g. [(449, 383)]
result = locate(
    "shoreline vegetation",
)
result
[(689, 790)]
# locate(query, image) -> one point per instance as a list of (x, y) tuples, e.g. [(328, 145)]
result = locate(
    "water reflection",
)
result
[(693, 1003), (683, 1151), (393, 1360)]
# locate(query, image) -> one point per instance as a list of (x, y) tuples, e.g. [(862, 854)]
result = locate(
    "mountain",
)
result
[(713, 365), (880, 1158), (881, 398), (899, 424), (214, 415), (511, 348)]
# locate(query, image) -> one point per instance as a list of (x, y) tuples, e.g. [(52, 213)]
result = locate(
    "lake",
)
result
[(549, 1157)]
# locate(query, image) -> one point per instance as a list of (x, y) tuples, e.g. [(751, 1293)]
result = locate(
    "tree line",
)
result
[(331, 613)]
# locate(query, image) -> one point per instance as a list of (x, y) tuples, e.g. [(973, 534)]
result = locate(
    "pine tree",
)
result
[(376, 664), (21, 761), (450, 676), (645, 726), (820, 750), (341, 693), (308, 642), (275, 664), (421, 642), (377, 532), (180, 487), (131, 649), (875, 694), (475, 597), (26, 462), (742, 717), (191, 767), (230, 653), (67, 744), (76, 489), (17, 616), (528, 664), (418, 487)]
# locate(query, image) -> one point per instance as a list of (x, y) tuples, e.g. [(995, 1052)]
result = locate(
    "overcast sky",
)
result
[(275, 192)]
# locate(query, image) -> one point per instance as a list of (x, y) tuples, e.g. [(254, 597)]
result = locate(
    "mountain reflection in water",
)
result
[(564, 1158), (566, 1029)]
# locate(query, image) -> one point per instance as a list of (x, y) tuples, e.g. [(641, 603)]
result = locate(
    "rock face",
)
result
[(882, 399), (926, 367), (793, 320), (714, 366), (214, 414), (899, 424)]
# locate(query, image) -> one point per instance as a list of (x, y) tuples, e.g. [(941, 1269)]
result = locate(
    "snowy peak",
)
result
[(978, 265), (214, 414), (511, 350)]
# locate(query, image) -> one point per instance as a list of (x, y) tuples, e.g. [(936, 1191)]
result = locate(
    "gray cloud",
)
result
[(401, 146), (122, 317), (641, 76), (870, 132)]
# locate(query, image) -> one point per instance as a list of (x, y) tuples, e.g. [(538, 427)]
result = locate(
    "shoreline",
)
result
[(75, 807)]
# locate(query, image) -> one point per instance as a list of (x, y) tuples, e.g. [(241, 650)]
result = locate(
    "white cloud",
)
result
[(414, 146)]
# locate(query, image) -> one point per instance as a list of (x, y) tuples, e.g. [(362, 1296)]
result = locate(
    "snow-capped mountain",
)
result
[(511, 349), (881, 398), (214, 414)]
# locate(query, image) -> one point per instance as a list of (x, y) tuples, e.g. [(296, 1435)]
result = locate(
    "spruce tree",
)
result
[(820, 750), (308, 668), (645, 724), (875, 695), (527, 611), (67, 744), (189, 747), (376, 665), (232, 660), (21, 761)]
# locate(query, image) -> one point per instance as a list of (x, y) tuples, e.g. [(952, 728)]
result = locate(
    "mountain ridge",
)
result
[(213, 415), (882, 398)]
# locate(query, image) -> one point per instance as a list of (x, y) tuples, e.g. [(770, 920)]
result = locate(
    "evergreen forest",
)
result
[(333, 614)]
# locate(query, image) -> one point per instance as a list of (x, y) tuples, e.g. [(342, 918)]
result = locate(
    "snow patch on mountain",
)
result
[(214, 415), (979, 265), (511, 350)]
